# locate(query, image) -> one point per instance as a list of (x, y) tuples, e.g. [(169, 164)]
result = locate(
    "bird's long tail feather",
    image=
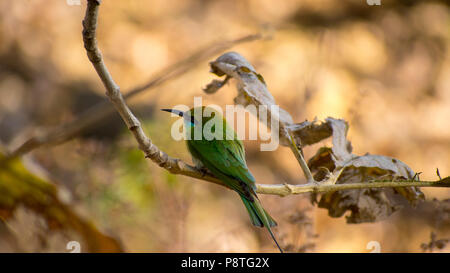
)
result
[(260, 217)]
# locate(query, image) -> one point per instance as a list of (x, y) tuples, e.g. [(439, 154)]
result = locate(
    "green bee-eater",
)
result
[(222, 153)]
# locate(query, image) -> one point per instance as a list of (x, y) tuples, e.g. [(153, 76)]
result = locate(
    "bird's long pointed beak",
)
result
[(177, 112)]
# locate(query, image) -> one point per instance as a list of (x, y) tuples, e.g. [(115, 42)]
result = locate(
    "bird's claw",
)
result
[(204, 171)]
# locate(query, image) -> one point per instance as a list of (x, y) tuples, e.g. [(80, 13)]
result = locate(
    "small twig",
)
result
[(300, 159), (438, 174), (417, 175)]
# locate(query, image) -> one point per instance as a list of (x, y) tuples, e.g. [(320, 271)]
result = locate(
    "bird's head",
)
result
[(205, 122), (189, 118)]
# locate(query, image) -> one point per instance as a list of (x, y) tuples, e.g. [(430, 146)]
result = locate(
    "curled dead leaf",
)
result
[(365, 205), (252, 89)]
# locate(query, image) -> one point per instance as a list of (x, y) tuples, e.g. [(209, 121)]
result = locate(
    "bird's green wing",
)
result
[(226, 160)]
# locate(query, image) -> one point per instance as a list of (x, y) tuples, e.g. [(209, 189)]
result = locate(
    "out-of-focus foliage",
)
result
[(434, 244), (22, 190)]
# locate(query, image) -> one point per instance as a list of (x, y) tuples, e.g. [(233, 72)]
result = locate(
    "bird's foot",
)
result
[(204, 171)]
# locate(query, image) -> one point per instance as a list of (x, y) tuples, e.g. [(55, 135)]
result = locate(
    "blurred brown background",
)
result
[(385, 69)]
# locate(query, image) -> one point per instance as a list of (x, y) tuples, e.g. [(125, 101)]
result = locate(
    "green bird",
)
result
[(222, 153)]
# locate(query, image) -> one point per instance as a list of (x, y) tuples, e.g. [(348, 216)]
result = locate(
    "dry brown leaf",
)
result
[(365, 205), (252, 89)]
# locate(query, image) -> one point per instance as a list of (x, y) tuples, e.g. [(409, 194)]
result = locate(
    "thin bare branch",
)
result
[(287, 189), (301, 161)]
